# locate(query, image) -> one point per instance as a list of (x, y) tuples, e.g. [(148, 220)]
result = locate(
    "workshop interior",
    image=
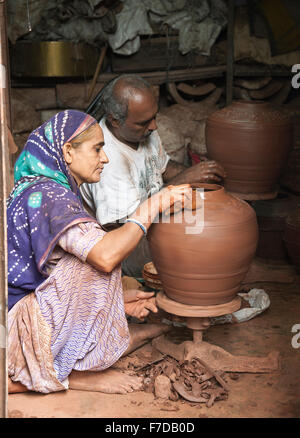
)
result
[(222, 324)]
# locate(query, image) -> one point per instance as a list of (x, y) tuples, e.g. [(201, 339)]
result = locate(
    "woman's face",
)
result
[(86, 160)]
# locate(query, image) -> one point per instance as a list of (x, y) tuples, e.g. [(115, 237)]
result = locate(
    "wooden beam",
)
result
[(261, 70)]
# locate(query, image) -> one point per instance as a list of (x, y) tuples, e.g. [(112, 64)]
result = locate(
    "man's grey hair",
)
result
[(116, 104)]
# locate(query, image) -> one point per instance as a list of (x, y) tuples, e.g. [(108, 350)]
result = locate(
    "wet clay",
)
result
[(252, 141), (204, 262)]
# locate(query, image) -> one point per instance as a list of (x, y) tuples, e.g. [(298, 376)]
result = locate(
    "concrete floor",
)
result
[(273, 395)]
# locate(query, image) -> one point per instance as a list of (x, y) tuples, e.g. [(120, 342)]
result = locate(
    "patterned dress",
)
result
[(81, 312)]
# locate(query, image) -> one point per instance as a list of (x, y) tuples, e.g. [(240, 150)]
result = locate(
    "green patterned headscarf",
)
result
[(42, 156)]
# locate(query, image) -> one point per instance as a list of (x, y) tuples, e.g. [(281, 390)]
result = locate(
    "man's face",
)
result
[(140, 121)]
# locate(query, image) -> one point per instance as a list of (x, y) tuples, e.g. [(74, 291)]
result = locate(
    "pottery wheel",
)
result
[(190, 311), (198, 320)]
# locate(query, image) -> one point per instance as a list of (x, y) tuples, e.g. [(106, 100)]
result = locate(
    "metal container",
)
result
[(53, 59)]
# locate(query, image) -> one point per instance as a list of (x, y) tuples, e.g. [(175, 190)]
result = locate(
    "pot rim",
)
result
[(212, 187), (215, 190)]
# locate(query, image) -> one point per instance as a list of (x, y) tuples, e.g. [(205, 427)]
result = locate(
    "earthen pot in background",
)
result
[(203, 254), (271, 216), (252, 141), (291, 237)]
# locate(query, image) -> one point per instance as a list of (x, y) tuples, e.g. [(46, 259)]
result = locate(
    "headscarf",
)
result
[(44, 203)]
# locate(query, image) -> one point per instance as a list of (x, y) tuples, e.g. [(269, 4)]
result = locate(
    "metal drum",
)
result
[(53, 59)]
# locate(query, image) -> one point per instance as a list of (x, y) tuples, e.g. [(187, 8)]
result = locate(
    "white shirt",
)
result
[(130, 177)]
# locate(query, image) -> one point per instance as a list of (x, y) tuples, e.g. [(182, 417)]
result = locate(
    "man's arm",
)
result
[(172, 171)]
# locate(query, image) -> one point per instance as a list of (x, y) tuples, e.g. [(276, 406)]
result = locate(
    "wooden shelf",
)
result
[(161, 77), (261, 70), (154, 77)]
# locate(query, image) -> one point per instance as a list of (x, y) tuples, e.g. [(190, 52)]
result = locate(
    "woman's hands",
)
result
[(116, 245), (138, 303), (174, 195)]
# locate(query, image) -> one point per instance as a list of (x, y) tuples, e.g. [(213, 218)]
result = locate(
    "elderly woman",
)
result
[(67, 309)]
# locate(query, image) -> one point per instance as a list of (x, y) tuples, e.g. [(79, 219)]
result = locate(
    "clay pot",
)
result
[(203, 254), (271, 216), (291, 237), (251, 140)]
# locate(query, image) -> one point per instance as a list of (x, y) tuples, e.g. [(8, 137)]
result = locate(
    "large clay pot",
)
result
[(271, 216), (203, 254), (291, 237), (251, 140)]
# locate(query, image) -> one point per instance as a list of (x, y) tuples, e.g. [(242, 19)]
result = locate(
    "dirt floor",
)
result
[(272, 395)]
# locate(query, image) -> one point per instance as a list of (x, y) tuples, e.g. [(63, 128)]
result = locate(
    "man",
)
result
[(138, 164)]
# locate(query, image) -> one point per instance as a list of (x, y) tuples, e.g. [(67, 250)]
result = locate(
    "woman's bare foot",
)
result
[(108, 381), (138, 303), (113, 381), (14, 387)]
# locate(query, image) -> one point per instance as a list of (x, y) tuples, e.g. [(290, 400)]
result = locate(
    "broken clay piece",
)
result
[(162, 387), (191, 380)]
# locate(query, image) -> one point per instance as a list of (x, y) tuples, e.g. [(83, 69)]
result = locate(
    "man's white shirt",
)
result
[(130, 177)]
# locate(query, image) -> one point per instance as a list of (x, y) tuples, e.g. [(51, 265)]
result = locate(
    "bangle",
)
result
[(139, 224)]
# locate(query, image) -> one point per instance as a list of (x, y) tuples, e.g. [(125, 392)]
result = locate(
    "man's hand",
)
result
[(206, 172)]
